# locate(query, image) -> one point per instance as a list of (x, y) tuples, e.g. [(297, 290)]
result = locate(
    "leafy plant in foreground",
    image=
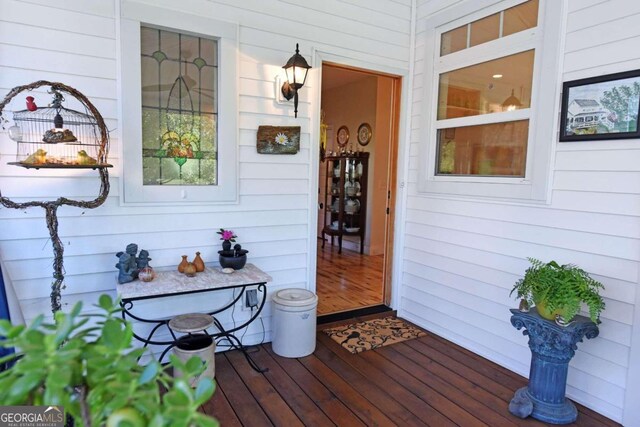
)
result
[(94, 373)]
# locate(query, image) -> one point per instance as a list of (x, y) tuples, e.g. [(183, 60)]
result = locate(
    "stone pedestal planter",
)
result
[(552, 347)]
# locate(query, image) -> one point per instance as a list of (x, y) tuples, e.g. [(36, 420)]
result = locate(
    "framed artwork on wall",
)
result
[(602, 107), (278, 139)]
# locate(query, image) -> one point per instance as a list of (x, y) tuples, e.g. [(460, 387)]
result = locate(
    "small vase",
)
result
[(198, 262), (190, 269), (183, 264), (226, 245), (146, 274)]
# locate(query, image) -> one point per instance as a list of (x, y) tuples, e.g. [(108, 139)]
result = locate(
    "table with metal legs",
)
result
[(169, 284)]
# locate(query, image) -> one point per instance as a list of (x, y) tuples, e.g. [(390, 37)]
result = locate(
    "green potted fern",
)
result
[(559, 290)]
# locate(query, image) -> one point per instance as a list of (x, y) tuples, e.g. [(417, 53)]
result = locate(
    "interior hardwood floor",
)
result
[(348, 280), (423, 382)]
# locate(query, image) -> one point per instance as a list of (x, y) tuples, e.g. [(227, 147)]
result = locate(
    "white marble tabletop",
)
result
[(173, 282)]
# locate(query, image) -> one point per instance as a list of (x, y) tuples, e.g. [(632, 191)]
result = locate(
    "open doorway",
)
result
[(357, 173)]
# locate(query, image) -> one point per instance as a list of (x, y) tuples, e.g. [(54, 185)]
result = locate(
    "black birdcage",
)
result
[(57, 137)]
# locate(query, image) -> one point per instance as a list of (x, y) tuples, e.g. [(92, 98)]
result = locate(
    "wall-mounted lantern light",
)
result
[(296, 69)]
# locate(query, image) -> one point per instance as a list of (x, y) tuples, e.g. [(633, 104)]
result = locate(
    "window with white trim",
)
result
[(484, 102), (179, 107)]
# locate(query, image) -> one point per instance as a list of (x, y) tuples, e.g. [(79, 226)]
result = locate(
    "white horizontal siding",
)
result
[(271, 218), (462, 257)]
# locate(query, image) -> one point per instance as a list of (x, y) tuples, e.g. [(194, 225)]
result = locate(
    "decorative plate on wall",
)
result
[(342, 137), (364, 134)]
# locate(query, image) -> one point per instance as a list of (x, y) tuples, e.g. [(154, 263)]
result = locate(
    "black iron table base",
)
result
[(224, 337)]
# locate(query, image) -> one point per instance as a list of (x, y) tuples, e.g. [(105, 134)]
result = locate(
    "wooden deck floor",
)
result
[(427, 381)]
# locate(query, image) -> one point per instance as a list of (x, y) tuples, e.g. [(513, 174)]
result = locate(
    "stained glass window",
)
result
[(179, 108)]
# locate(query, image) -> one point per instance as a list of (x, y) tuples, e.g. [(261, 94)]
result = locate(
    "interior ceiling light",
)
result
[(511, 103), (497, 76)]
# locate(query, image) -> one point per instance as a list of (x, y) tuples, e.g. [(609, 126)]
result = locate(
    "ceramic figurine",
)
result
[(126, 273), (561, 322), (183, 264), (198, 262), (143, 259), (132, 250), (31, 105), (131, 268), (85, 159), (37, 158)]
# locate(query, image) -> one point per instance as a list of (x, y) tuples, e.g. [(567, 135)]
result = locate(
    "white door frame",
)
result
[(318, 57)]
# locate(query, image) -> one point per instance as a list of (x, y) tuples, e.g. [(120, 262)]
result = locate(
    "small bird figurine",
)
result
[(37, 158), (85, 159), (31, 105)]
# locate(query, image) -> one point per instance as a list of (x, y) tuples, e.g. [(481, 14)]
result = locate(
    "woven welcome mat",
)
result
[(371, 334)]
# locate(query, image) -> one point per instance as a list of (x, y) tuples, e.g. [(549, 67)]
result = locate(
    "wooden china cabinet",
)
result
[(345, 197)]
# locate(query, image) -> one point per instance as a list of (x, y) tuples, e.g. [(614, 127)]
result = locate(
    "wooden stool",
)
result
[(191, 323)]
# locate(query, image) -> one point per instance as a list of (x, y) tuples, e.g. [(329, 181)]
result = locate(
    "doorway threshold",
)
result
[(357, 314)]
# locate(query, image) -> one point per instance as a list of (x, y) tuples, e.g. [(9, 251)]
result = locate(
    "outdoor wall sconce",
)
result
[(296, 69)]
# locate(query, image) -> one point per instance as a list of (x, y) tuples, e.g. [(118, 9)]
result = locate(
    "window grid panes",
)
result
[(179, 108), (478, 131), (492, 27)]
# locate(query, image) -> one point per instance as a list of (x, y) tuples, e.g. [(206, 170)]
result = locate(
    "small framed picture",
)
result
[(603, 107)]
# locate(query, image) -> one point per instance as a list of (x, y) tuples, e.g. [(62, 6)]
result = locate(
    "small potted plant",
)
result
[(227, 236), (231, 259), (559, 290)]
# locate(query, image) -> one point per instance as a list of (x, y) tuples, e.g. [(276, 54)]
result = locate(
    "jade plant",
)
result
[(559, 290), (93, 372)]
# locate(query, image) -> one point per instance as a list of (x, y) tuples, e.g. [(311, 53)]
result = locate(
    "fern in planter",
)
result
[(559, 289), (94, 373)]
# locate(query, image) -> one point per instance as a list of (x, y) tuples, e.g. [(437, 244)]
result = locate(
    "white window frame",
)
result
[(547, 40), (132, 17)]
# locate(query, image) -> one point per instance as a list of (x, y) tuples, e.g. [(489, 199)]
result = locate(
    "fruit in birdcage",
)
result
[(37, 158), (84, 159)]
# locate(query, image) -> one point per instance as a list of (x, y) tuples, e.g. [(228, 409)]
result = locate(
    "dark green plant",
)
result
[(94, 373), (560, 287)]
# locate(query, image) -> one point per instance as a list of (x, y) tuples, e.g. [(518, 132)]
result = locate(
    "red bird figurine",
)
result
[(31, 106)]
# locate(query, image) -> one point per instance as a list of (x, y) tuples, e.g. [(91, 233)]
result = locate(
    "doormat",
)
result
[(374, 333)]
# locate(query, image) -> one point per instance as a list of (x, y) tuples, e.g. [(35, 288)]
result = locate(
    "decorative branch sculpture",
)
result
[(51, 207)]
